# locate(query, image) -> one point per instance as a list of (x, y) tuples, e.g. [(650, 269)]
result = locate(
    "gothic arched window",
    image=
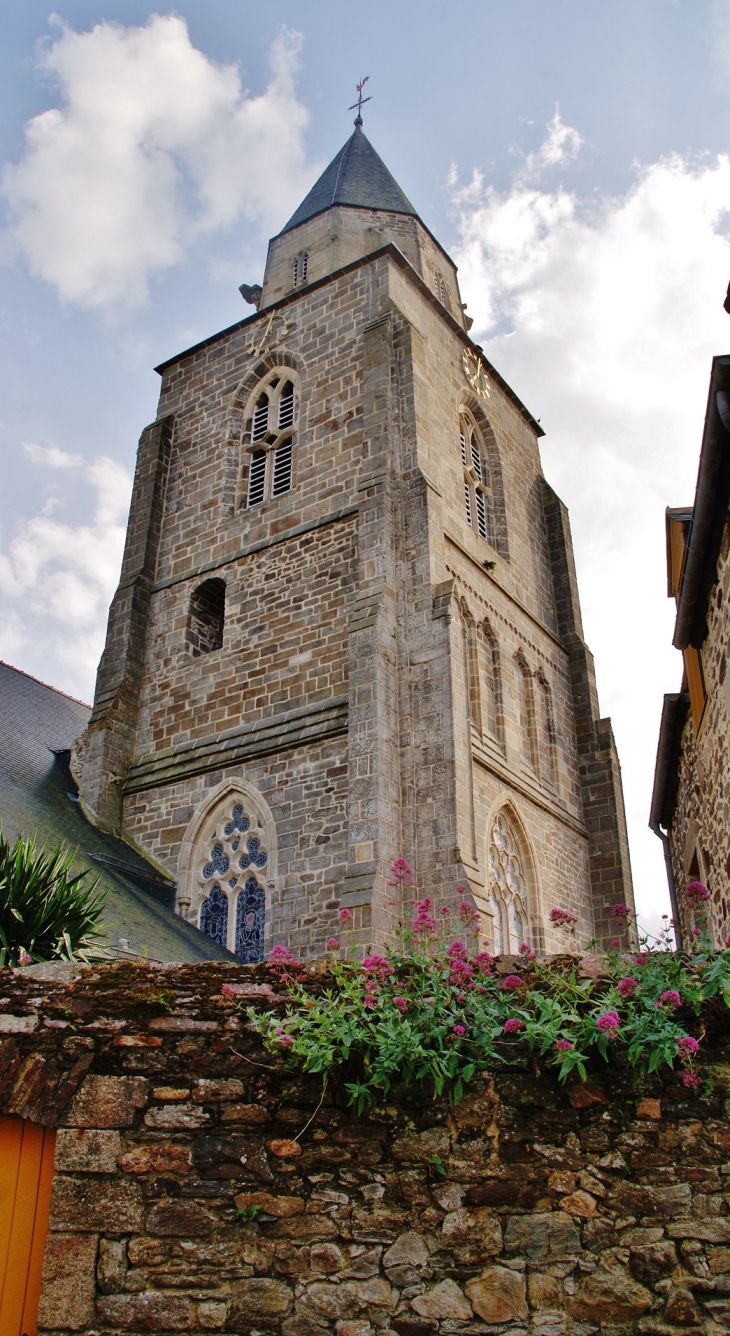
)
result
[(547, 740), (206, 617), (231, 862), (271, 438), (528, 723), (492, 712), (508, 896), (476, 477)]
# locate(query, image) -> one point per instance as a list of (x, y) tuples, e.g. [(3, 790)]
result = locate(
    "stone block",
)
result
[(150, 1311), (543, 1291), (445, 1302), (682, 1309), (579, 1203), (86, 1151), (156, 1157), (107, 1101), (261, 1299), (211, 1315), (475, 1228), (111, 1268), (649, 1108), (173, 1218), (498, 1295), (639, 1200), (408, 1251), (608, 1294), (654, 1261), (67, 1287), (253, 1115), (207, 1091), (171, 1117), (716, 1229), (91, 1205), (545, 1237)]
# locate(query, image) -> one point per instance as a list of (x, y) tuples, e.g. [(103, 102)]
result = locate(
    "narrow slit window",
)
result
[(206, 617), (282, 469), (257, 478), (286, 407), (260, 419), (305, 268), (295, 271)]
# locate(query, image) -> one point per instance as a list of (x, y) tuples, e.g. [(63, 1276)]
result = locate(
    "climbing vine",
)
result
[(434, 1009)]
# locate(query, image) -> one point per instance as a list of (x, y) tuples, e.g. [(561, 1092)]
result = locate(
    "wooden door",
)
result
[(26, 1172)]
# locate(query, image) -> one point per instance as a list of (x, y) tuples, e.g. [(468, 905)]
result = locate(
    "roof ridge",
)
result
[(56, 690)]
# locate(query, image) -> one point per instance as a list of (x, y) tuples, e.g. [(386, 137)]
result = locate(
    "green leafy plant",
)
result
[(45, 913), (245, 1214), (431, 1011)]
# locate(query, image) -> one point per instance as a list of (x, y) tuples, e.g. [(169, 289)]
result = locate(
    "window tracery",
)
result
[(508, 896), (271, 439), (233, 909)]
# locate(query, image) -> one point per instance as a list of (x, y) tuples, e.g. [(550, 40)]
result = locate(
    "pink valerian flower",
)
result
[(424, 920), (642, 959), (527, 952), (285, 1040), (401, 870), (692, 1080), (378, 966), (695, 892), (401, 1004), (512, 982), (445, 912), (467, 913), (563, 1045), (696, 932), (616, 943), (670, 997), (369, 1001), (512, 1025), (459, 1031), (609, 1024), (461, 974), (332, 944), (281, 955), (345, 916), (562, 918), (625, 987), (457, 951), (483, 962), (687, 1046), (621, 912)]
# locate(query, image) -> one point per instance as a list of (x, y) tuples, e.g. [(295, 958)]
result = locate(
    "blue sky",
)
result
[(571, 156)]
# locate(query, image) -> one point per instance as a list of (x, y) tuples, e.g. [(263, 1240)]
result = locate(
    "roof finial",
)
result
[(360, 99)]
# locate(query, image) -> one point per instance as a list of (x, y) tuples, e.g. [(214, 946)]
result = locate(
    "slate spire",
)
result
[(357, 178)]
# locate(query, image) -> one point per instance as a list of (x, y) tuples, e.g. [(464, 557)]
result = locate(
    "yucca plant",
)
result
[(45, 913)]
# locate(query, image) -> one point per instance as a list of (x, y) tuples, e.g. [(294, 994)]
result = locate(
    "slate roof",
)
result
[(357, 177), (37, 796)]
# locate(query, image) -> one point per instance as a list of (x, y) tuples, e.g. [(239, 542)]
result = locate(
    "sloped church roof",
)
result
[(357, 177)]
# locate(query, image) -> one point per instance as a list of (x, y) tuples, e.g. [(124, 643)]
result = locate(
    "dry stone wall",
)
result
[(200, 1187)]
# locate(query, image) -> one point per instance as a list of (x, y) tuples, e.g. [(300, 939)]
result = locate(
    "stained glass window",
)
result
[(219, 862), (237, 822), (507, 887), (214, 916), (254, 856), (250, 911)]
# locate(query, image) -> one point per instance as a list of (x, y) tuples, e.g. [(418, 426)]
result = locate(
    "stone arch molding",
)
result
[(241, 405), (512, 882), (227, 858)]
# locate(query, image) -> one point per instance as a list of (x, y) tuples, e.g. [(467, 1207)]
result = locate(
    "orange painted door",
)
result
[(26, 1172)]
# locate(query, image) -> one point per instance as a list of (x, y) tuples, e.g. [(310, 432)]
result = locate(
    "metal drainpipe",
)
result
[(670, 881)]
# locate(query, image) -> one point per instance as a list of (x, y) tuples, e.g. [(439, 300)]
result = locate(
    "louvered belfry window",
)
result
[(476, 489), (272, 436)]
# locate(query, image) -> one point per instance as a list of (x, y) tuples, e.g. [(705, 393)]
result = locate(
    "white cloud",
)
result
[(57, 579), (604, 315), (51, 457), (152, 145)]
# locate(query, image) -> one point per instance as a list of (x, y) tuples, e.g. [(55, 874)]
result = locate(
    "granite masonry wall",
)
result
[(700, 827), (200, 1187)]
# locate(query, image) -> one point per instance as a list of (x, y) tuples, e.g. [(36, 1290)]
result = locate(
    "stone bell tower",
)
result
[(347, 626)]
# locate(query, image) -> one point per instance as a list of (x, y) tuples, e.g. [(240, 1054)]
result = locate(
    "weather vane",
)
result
[(360, 99)]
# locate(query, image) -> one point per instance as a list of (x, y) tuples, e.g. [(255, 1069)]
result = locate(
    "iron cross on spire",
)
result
[(360, 99)]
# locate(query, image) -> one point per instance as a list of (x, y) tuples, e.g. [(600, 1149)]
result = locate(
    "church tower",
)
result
[(347, 627)]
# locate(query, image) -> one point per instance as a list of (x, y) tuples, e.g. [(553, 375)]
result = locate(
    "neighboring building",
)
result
[(38, 798), (690, 807), (347, 626)]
